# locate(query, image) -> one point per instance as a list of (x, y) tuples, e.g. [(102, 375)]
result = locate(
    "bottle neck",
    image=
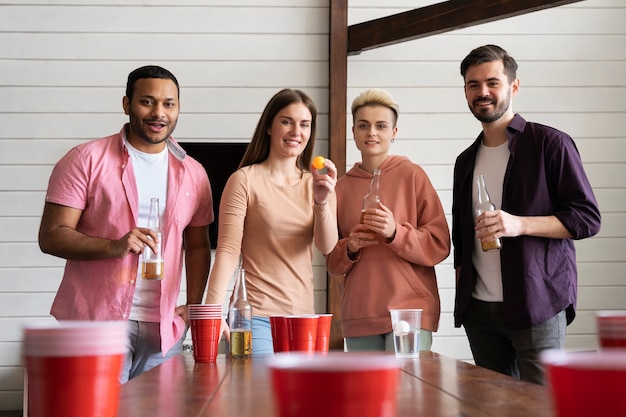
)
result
[(240, 286), (483, 194), (483, 202), (154, 220), (372, 198)]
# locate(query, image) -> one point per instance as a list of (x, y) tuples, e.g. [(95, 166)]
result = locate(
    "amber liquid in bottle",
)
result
[(240, 319), (241, 343), (152, 266), (483, 203)]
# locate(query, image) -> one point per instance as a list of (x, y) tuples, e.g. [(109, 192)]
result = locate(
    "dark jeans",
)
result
[(510, 351)]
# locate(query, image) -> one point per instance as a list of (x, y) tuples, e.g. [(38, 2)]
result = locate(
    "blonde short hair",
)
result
[(376, 96)]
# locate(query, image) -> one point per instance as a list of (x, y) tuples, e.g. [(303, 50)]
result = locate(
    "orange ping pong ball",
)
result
[(318, 162)]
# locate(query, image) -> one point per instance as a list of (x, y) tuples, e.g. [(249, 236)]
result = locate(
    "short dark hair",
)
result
[(148, 71), (490, 53)]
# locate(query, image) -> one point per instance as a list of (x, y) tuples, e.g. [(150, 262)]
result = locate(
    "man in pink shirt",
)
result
[(95, 217)]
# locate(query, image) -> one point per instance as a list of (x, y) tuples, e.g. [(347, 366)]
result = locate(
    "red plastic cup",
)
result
[(611, 328), (205, 336), (280, 336), (336, 385), (323, 333), (73, 368), (302, 331), (587, 384)]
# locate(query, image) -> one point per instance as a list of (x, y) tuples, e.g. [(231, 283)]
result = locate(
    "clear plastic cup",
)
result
[(406, 324)]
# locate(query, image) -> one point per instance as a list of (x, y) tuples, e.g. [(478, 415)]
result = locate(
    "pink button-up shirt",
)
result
[(97, 177)]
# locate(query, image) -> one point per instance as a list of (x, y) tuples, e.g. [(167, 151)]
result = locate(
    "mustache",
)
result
[(483, 98)]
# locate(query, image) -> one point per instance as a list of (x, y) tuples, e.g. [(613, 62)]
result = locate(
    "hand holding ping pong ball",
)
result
[(318, 162)]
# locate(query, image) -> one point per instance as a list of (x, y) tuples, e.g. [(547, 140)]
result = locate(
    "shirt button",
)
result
[(132, 281), (124, 315)]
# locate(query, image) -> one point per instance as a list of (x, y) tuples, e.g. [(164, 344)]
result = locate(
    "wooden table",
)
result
[(433, 386)]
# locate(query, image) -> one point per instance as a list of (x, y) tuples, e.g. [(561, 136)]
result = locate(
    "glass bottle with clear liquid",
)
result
[(240, 319), (372, 198), (483, 203), (152, 266)]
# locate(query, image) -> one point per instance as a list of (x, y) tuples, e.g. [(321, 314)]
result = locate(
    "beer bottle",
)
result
[(240, 319), (372, 198), (483, 203), (152, 263)]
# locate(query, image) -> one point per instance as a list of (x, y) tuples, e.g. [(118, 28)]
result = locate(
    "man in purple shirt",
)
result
[(95, 217), (517, 301)]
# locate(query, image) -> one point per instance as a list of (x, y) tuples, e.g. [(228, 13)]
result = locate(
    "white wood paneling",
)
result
[(165, 18), (64, 65)]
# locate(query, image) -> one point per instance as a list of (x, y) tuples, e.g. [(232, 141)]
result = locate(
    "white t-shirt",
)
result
[(151, 178), (491, 162)]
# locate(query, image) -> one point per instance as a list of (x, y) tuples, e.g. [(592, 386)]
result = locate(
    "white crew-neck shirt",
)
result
[(491, 162), (151, 177)]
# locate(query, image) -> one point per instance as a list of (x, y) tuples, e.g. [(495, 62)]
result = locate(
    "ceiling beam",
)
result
[(438, 18)]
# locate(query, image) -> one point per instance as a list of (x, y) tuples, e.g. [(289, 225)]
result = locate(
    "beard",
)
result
[(486, 116)]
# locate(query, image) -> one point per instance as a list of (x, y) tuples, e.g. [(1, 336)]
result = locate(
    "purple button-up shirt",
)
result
[(544, 176), (97, 178)]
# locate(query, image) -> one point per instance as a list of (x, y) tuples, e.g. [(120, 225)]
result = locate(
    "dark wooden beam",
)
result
[(338, 84), (437, 18)]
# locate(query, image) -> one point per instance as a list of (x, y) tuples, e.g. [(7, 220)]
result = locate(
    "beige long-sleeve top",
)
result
[(274, 228)]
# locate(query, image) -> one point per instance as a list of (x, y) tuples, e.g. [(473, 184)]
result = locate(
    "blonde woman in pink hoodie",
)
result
[(397, 268)]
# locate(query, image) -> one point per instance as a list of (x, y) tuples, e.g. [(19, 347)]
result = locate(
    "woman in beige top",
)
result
[(273, 209)]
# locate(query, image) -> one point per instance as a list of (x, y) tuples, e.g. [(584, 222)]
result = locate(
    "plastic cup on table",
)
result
[(206, 322), (302, 332), (323, 333), (586, 384), (611, 328), (73, 367), (280, 336), (335, 385), (406, 325)]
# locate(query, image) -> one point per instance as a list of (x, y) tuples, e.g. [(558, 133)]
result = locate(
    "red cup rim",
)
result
[(613, 359), (75, 338), (333, 361), (611, 314)]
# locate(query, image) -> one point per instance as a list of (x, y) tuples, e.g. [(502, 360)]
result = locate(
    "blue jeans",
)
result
[(261, 336), (144, 349), (384, 342), (507, 350)]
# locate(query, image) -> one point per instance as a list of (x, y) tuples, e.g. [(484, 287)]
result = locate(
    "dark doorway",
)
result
[(219, 160)]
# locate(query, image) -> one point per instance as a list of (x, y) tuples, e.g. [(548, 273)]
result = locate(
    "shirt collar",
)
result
[(172, 146)]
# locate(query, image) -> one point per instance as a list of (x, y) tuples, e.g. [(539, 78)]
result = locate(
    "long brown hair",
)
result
[(259, 147)]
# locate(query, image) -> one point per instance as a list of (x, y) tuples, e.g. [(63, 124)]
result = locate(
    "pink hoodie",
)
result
[(399, 274)]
